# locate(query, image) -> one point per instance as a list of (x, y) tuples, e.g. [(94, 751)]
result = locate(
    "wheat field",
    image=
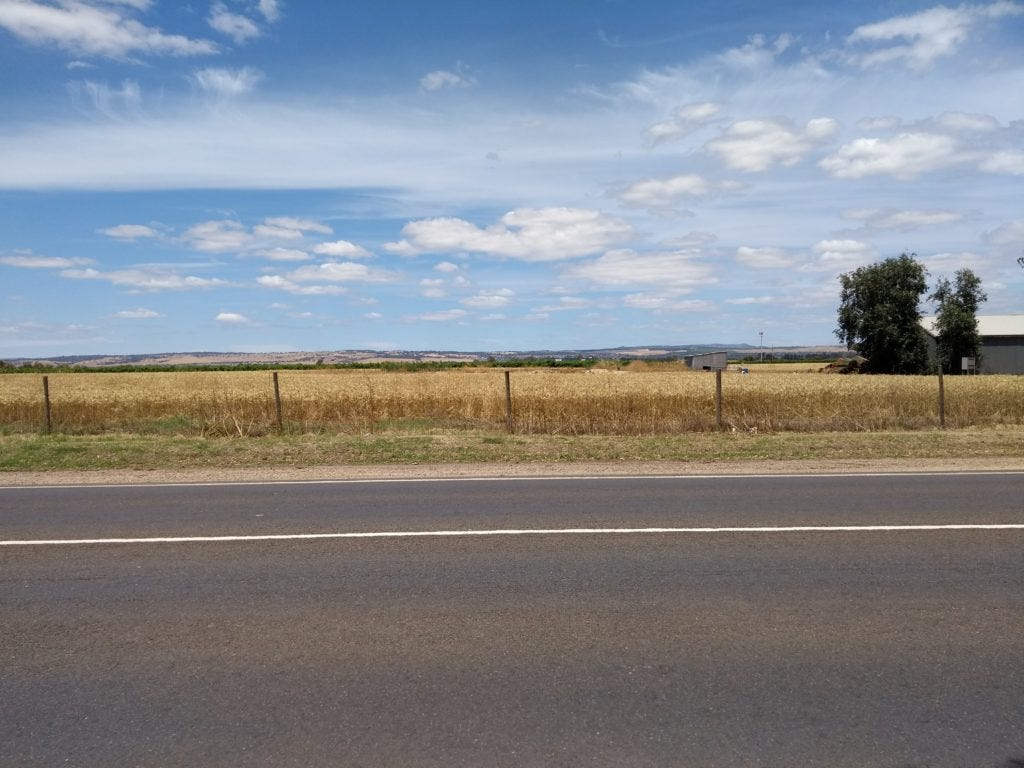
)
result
[(639, 400)]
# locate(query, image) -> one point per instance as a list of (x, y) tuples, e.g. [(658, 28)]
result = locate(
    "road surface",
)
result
[(655, 622)]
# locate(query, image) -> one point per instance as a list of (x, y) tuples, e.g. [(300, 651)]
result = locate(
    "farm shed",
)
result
[(709, 361), (1002, 342)]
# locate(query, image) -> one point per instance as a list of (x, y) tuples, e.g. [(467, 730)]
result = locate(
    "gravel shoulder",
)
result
[(497, 470)]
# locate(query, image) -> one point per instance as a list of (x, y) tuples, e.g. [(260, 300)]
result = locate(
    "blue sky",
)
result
[(250, 175)]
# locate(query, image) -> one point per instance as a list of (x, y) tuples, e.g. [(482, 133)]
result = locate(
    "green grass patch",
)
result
[(24, 452)]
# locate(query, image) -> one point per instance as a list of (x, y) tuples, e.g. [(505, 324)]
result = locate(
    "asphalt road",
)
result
[(731, 648)]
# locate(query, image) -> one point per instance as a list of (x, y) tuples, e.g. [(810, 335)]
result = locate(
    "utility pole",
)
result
[(761, 344)]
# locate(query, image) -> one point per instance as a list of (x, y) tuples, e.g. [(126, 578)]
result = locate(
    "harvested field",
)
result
[(661, 400)]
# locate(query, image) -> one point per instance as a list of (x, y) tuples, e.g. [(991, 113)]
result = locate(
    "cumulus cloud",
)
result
[(271, 9), (228, 82), (283, 254), (139, 313), (232, 318), (905, 156), (342, 249), (239, 28), (529, 234), (757, 145), (1010, 162), (94, 29), (219, 236), (442, 78), (282, 283), (323, 279), (665, 195), (490, 299), (833, 255), (919, 40), (129, 232), (684, 121), (626, 267)]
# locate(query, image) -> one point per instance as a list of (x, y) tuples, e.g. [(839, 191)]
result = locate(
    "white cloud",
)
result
[(342, 249), (283, 254), (446, 266), (757, 145), (446, 316), (129, 232), (442, 78), (1009, 234), (302, 225), (545, 234), (232, 318), (239, 28), (666, 302), (270, 9), (281, 283), (228, 82), (903, 221), (433, 288), (626, 267), (219, 236), (833, 255), (905, 156), (684, 121), (665, 195), (137, 314), (1009, 162), (490, 299), (94, 29), (146, 279), (752, 300), (764, 258), (32, 261), (340, 272), (920, 39)]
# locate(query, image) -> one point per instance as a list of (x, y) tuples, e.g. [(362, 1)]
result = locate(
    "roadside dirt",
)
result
[(532, 469)]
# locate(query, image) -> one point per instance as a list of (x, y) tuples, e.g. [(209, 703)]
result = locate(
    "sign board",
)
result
[(968, 364)]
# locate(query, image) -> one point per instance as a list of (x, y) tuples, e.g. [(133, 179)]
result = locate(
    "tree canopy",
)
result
[(956, 323), (879, 315)]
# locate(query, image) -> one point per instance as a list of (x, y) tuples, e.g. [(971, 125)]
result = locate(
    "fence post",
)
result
[(942, 400), (508, 402), (46, 403), (277, 404), (718, 398)]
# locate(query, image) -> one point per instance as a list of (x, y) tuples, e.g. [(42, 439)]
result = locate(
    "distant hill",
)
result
[(336, 357)]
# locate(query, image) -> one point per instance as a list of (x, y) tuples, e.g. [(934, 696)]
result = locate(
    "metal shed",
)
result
[(1002, 342)]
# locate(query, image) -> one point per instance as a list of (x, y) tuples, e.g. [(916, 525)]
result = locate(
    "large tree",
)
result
[(956, 322), (879, 315)]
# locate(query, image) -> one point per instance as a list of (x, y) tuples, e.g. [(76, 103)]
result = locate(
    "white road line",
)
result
[(517, 532), (516, 479)]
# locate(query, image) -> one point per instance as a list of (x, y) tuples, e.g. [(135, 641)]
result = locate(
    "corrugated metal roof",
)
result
[(988, 325)]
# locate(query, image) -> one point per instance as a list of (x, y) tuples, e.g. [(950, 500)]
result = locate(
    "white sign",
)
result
[(967, 364)]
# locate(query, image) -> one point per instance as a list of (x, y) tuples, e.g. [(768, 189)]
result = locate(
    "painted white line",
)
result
[(518, 532), (517, 479)]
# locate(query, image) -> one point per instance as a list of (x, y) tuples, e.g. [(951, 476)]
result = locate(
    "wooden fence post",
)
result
[(46, 403), (508, 403), (942, 400), (718, 398), (277, 404)]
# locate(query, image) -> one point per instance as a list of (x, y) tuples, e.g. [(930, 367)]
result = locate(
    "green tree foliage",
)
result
[(879, 315), (956, 323)]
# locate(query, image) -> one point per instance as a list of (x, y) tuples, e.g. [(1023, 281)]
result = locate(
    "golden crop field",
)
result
[(651, 400)]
